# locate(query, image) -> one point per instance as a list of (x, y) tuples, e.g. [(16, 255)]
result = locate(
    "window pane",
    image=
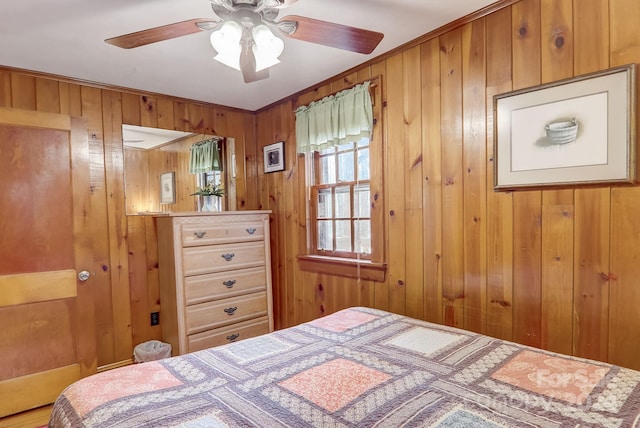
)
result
[(325, 235), (343, 202), (328, 169), (324, 203), (363, 164), (363, 236), (361, 203), (346, 147), (328, 151), (345, 168), (343, 235), (363, 143)]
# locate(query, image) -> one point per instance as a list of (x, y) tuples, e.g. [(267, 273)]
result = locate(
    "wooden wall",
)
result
[(552, 268), (124, 247)]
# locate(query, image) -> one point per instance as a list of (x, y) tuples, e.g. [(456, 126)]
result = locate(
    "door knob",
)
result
[(84, 275)]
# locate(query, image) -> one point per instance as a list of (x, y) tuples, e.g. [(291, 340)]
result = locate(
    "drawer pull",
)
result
[(231, 311), (230, 283), (228, 256), (199, 235), (251, 230), (233, 337)]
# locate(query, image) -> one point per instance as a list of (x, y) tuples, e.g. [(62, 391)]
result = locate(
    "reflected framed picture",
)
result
[(168, 188), (274, 157), (570, 132)]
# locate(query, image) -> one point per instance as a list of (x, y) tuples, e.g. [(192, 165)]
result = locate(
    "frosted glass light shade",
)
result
[(266, 48), (226, 42)]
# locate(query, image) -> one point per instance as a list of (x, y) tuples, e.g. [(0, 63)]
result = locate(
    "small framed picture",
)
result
[(168, 188), (274, 157)]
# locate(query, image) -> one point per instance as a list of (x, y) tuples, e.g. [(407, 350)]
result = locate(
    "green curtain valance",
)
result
[(334, 120), (205, 156)]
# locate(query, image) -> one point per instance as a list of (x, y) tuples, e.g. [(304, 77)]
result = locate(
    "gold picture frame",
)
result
[(571, 132)]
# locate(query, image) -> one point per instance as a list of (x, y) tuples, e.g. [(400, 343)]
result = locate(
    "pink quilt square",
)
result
[(334, 384), (91, 391), (343, 320), (561, 378)]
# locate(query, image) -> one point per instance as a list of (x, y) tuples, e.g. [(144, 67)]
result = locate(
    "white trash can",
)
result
[(151, 351)]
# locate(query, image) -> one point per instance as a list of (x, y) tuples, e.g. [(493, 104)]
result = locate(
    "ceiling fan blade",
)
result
[(158, 34), (248, 66), (331, 34)]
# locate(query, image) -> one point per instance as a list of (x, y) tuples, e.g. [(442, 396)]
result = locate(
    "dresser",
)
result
[(215, 278)]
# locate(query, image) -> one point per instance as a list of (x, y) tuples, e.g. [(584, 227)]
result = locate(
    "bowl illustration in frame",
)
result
[(562, 131)]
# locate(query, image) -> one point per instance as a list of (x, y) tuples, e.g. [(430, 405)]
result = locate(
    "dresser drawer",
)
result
[(215, 286), (232, 333), (218, 258), (217, 313), (220, 233)]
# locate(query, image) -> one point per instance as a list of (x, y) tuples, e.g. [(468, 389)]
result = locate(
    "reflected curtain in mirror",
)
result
[(206, 156)]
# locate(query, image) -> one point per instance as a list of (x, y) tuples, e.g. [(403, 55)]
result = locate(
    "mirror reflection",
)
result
[(173, 171)]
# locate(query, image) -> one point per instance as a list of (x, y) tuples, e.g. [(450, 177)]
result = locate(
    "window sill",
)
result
[(363, 269)]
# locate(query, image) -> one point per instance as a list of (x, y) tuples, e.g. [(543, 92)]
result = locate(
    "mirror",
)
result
[(156, 171)]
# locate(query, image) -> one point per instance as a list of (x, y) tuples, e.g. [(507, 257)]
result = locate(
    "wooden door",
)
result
[(47, 337)]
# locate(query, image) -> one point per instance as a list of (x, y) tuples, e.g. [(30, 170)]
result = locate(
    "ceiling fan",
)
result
[(243, 35)]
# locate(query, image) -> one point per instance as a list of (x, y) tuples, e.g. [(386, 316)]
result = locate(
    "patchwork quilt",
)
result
[(359, 367)]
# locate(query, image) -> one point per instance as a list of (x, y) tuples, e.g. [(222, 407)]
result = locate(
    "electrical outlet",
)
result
[(155, 318)]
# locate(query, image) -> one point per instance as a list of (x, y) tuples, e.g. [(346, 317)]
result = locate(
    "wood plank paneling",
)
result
[(557, 39), (557, 216), (5, 89), (591, 35), (452, 177), (591, 273), (117, 224), (23, 91), (47, 95), (527, 205), (624, 313), (381, 289), (432, 188), (475, 175), (499, 204), (592, 210), (395, 184), (557, 278), (412, 112)]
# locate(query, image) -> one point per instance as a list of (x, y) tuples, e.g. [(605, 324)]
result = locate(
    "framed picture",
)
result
[(168, 188), (574, 131), (274, 157)]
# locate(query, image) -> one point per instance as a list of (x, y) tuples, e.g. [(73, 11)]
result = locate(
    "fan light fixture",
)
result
[(246, 35), (228, 41)]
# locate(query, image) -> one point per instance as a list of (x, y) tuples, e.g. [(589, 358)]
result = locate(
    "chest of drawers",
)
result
[(215, 278)]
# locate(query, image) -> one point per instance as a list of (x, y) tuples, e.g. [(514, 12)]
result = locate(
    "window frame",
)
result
[(352, 218), (372, 266)]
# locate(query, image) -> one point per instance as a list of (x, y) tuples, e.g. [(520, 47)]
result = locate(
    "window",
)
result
[(345, 203), (340, 201)]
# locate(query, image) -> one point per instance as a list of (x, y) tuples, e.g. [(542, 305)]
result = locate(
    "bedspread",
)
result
[(359, 367)]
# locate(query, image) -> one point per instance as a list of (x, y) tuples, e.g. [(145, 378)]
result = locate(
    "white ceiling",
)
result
[(145, 138), (66, 38)]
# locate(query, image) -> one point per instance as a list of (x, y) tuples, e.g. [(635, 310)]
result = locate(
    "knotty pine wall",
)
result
[(124, 247), (552, 268)]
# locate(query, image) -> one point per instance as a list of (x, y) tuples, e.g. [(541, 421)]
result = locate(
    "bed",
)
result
[(359, 367)]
